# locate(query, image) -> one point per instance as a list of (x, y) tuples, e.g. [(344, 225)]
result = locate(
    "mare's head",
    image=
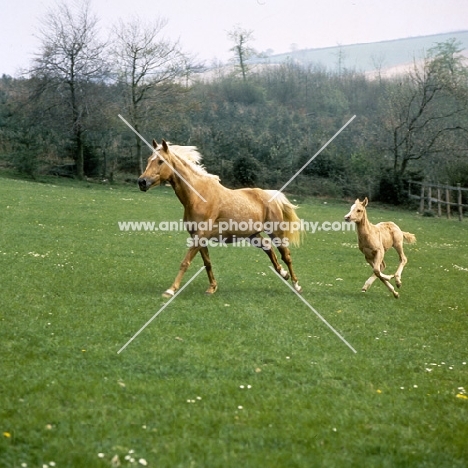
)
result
[(357, 211), (157, 170)]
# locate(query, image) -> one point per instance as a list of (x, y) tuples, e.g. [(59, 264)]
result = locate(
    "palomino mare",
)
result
[(375, 240), (209, 206)]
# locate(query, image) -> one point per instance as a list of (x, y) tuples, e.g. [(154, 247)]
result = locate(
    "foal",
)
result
[(374, 240)]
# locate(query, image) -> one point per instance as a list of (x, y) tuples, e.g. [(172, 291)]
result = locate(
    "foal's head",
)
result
[(357, 211), (157, 169)]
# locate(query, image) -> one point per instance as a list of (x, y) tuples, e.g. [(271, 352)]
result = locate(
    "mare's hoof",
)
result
[(168, 293), (297, 288), (284, 274), (211, 290)]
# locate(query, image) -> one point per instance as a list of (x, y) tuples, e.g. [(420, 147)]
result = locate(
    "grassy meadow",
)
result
[(249, 377)]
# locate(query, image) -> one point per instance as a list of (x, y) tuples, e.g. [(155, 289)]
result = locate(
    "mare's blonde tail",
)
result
[(295, 230), (410, 238)]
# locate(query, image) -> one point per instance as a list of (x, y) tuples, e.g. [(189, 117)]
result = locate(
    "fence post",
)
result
[(447, 200), (421, 200), (439, 206), (460, 206), (429, 197)]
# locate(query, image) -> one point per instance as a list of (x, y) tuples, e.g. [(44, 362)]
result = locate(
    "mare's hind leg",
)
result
[(258, 241), (286, 257), (192, 251), (209, 270)]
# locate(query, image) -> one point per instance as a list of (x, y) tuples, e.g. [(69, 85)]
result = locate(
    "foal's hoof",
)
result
[(395, 295), (211, 290)]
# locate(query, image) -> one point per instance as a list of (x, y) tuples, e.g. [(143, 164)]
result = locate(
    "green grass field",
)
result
[(249, 377)]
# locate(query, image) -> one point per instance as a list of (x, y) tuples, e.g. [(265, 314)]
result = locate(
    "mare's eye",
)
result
[(359, 211), (160, 161)]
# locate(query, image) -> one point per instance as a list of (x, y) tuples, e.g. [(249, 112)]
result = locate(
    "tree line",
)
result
[(255, 123)]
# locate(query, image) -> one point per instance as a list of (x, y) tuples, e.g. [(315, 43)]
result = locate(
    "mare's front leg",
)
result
[(209, 270), (192, 251)]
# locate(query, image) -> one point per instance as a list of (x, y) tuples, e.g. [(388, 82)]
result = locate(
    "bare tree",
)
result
[(426, 108), (70, 57), (146, 64), (241, 49)]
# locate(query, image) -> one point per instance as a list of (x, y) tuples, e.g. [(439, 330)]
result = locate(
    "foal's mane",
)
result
[(190, 156)]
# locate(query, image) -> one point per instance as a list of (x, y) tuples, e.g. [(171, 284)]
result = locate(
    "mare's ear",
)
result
[(365, 201), (165, 146), (155, 144), (357, 201)]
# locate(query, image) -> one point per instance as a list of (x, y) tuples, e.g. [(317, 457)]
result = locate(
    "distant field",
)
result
[(369, 57), (247, 378)]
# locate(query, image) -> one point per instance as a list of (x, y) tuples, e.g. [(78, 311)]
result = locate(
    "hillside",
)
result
[(388, 56)]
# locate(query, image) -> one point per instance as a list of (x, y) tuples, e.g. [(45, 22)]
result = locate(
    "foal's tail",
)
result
[(294, 231), (410, 238)]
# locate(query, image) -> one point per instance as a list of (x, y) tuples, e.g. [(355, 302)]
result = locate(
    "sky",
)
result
[(202, 26)]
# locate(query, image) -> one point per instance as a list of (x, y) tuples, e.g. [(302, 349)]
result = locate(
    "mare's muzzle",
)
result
[(144, 184)]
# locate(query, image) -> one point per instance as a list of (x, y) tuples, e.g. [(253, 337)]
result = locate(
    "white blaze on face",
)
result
[(351, 210)]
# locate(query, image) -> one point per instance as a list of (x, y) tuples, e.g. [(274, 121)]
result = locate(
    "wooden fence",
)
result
[(431, 195)]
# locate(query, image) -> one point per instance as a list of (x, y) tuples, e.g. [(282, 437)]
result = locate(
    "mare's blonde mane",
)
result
[(191, 156)]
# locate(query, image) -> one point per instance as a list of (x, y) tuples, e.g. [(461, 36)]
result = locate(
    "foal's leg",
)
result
[(209, 270), (403, 261), (368, 283), (378, 259), (372, 278), (192, 251)]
